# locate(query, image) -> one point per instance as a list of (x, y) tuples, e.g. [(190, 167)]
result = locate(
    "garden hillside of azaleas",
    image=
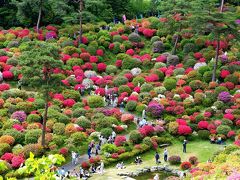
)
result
[(164, 67)]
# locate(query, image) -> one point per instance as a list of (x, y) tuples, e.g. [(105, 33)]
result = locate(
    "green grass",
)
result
[(203, 150)]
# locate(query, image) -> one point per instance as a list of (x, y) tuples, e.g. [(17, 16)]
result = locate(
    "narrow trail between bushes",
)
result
[(69, 166)]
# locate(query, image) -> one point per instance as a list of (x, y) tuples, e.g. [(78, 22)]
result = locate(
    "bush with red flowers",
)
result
[(185, 165), (85, 56), (85, 165), (17, 161), (64, 151), (115, 156), (69, 102), (101, 67), (127, 118), (7, 157), (203, 125), (146, 130), (4, 87), (120, 140), (184, 130), (7, 75)]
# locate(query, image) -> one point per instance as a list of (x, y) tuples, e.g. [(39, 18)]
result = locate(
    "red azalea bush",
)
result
[(17, 161), (203, 125), (7, 157), (119, 140), (231, 134), (85, 165), (63, 151), (185, 165), (184, 130), (101, 67), (146, 130), (229, 116), (119, 129), (7, 75), (85, 56), (4, 87), (68, 102), (127, 118), (114, 155)]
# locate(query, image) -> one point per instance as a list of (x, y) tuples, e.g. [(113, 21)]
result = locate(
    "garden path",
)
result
[(69, 166)]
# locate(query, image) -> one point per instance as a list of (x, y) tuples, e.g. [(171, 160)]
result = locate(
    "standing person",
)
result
[(156, 177), (157, 157), (89, 151), (113, 135), (165, 155), (185, 146), (73, 157), (101, 167), (97, 148)]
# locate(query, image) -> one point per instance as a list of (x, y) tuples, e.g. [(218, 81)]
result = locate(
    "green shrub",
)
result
[(59, 128), (189, 47), (78, 138), (111, 69), (147, 140), (58, 140), (135, 137), (120, 80), (232, 78), (203, 69), (77, 105), (137, 80), (39, 103), (117, 38), (134, 37), (155, 38), (109, 148), (83, 122), (18, 136), (63, 118), (4, 147), (32, 136), (223, 129), (79, 112), (124, 88), (131, 63), (33, 118), (106, 132), (103, 123), (203, 134), (131, 105), (226, 122), (146, 87), (170, 84), (196, 84), (220, 89), (74, 62), (140, 108), (95, 101), (71, 94)]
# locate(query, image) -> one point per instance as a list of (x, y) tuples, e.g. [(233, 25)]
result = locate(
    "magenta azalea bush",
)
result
[(19, 115)]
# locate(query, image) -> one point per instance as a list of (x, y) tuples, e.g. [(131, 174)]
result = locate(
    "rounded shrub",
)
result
[(78, 138), (120, 80), (135, 137), (203, 134), (95, 101), (83, 122), (134, 37), (174, 160), (106, 132), (223, 129), (59, 128), (111, 69), (124, 88), (31, 136), (146, 87), (33, 118), (170, 84), (131, 105)]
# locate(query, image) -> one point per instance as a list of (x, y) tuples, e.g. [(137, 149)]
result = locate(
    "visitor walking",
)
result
[(165, 155), (89, 151), (156, 177), (101, 167), (157, 157), (73, 158), (185, 146), (97, 147)]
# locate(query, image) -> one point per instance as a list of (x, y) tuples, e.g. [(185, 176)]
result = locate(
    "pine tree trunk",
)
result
[(175, 46), (216, 60), (45, 120), (80, 20), (222, 5), (39, 15)]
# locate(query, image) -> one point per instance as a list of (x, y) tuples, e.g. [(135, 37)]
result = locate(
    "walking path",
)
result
[(69, 166)]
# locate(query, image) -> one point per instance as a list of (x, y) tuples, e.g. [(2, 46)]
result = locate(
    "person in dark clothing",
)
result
[(157, 158), (185, 146), (89, 151)]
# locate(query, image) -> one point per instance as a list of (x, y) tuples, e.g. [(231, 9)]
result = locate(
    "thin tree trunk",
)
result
[(175, 46), (39, 15), (222, 5), (216, 60), (45, 119), (80, 20)]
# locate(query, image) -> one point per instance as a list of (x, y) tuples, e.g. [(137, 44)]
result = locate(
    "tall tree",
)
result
[(38, 63), (205, 19)]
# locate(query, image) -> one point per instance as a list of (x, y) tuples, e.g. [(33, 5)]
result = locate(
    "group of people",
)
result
[(217, 140), (94, 148), (138, 160), (62, 173), (165, 156)]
